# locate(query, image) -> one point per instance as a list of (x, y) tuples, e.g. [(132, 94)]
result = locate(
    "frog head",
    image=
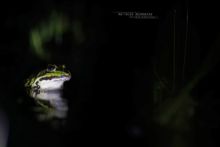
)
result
[(52, 78)]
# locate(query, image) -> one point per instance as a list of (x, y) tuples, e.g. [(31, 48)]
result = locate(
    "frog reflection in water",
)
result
[(51, 78), (50, 105)]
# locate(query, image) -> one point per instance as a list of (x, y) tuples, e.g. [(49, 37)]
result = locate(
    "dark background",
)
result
[(111, 87)]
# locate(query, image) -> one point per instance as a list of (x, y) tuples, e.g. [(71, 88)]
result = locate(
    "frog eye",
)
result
[(51, 67)]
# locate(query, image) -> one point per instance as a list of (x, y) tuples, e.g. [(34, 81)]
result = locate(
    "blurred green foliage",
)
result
[(52, 28)]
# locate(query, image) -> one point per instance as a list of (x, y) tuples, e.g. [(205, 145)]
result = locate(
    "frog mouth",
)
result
[(52, 83), (60, 78)]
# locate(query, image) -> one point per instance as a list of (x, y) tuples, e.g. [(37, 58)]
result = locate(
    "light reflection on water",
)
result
[(50, 105)]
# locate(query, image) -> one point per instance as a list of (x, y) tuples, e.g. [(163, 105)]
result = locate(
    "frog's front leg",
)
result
[(36, 87)]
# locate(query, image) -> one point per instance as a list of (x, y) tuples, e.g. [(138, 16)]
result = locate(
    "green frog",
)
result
[(51, 78)]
